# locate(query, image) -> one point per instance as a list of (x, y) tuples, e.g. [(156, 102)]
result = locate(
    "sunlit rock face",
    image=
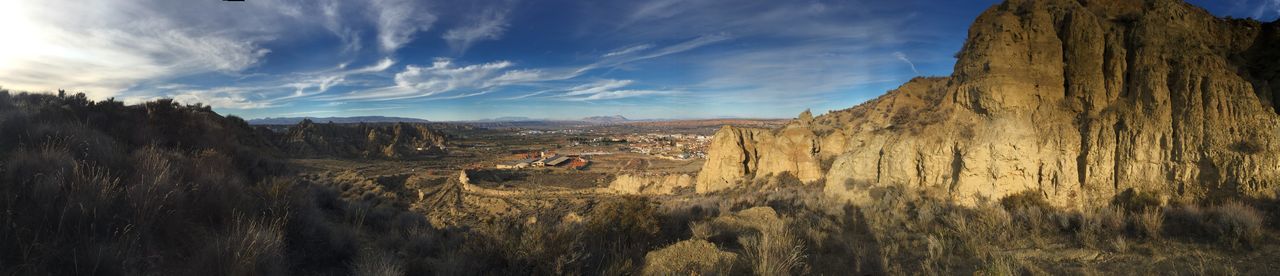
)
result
[(748, 153), (1077, 100)]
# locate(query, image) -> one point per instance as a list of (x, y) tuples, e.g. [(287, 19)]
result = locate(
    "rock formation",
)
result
[(392, 141), (749, 153), (1078, 100), (651, 184)]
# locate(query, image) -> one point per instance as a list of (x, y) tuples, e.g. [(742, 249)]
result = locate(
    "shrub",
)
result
[(1099, 224), (1025, 200), (1232, 223), (1134, 201), (1185, 221), (249, 247), (631, 220), (1148, 223), (1236, 224), (689, 257)]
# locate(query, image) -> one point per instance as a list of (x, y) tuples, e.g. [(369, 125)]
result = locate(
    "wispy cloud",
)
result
[(903, 58), (1266, 7), (640, 54), (270, 57), (597, 87), (108, 49), (619, 94), (795, 74), (48, 49), (628, 50), (398, 21), (488, 25), (442, 76), (275, 92)]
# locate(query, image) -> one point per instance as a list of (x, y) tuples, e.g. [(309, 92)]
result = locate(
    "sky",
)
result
[(475, 59)]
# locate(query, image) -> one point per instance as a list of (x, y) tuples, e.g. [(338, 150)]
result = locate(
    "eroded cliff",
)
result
[(1078, 100), (398, 140)]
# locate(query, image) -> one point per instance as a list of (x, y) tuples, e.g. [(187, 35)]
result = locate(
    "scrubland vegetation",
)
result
[(160, 188)]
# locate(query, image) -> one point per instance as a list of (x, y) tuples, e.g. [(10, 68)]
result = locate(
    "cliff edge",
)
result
[(1077, 100)]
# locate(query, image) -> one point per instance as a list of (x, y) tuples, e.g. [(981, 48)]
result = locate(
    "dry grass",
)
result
[(1233, 224), (773, 254), (1236, 224), (377, 263), (696, 257), (1148, 224)]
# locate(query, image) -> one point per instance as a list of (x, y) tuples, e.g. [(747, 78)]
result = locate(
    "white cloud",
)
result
[(275, 92), (597, 87), (695, 43), (106, 48), (398, 21), (641, 54), (903, 58), (628, 50), (1267, 6), (619, 94), (608, 89), (441, 77), (445, 77), (795, 74), (109, 48), (334, 22), (488, 25)]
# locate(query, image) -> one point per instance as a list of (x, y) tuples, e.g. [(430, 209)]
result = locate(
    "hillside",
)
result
[(1077, 101)]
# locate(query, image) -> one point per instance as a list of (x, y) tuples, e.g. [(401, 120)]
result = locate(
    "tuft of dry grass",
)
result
[(250, 246), (374, 262), (689, 257), (1148, 224), (773, 254)]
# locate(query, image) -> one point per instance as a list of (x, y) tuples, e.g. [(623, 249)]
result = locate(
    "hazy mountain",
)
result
[(338, 120), (606, 119)]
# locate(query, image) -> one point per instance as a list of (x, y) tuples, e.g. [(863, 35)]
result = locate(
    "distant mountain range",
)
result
[(592, 119), (510, 119), (339, 120), (606, 119)]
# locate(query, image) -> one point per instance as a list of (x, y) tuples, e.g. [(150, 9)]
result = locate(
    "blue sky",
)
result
[(462, 60)]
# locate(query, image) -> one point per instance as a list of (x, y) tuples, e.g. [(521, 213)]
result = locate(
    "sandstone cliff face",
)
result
[(399, 140), (1078, 100), (749, 153)]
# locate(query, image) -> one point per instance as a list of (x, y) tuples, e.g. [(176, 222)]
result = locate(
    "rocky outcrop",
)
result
[(749, 153), (650, 184), (1078, 100), (390, 141)]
